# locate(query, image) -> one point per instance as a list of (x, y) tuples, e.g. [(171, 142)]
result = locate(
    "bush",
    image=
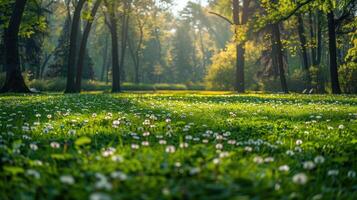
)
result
[(348, 77)]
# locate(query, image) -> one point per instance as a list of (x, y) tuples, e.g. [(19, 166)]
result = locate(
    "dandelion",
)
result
[(319, 159), (178, 164), (49, 116), (309, 165), (146, 134), (300, 178), (94, 115), (284, 168), (216, 161), (341, 126), (298, 142), (67, 179), (232, 142), (268, 159), (170, 149)]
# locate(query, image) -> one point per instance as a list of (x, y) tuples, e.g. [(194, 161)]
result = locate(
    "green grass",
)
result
[(178, 145)]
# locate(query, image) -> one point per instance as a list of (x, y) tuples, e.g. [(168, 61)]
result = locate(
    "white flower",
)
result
[(219, 146), (145, 143), (258, 160), (146, 134), (34, 146), (332, 172), (117, 158), (300, 178), (55, 145), (135, 146), (351, 174), (298, 142), (71, 132), (216, 161), (34, 173), (284, 168), (170, 149), (248, 149), (183, 145), (119, 175), (290, 153), (162, 142), (49, 116), (268, 159), (309, 165), (67, 179), (99, 196), (341, 126), (319, 159)]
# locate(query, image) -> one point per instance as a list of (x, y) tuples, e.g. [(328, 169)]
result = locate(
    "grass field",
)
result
[(178, 145)]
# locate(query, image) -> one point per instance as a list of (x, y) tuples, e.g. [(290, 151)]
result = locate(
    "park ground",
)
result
[(178, 145)]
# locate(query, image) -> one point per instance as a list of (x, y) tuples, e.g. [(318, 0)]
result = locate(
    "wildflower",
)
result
[(248, 149), (162, 142), (300, 178), (284, 168), (34, 173), (119, 175), (49, 116), (332, 172), (232, 142), (146, 134), (34, 146), (184, 145), (166, 191), (67, 179), (145, 143), (341, 126), (94, 115), (170, 149), (298, 142), (117, 158), (71, 132), (319, 159), (309, 165), (55, 145), (219, 146), (290, 153), (258, 160), (216, 161), (268, 159), (99, 196), (351, 174), (135, 146)]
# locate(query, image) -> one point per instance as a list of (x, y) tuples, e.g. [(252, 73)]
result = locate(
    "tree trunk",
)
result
[(124, 34), (302, 37), (14, 81), (71, 88), (111, 22), (333, 53), (83, 46), (277, 50), (105, 59)]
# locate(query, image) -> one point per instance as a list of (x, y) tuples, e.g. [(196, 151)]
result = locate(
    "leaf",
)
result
[(14, 170), (61, 156), (83, 141)]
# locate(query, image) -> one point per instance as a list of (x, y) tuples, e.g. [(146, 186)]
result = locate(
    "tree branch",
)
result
[(222, 17)]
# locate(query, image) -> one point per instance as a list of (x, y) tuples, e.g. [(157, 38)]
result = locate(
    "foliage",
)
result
[(178, 145)]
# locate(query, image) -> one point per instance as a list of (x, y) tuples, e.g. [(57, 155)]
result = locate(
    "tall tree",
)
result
[(335, 84), (303, 43), (14, 81), (111, 21), (71, 87), (83, 45)]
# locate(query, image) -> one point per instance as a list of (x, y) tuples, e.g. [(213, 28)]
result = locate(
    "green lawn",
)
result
[(178, 146)]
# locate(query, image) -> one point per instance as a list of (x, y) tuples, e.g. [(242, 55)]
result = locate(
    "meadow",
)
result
[(178, 145)]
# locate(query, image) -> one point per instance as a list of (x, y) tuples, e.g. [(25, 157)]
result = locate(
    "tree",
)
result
[(72, 61), (14, 81), (111, 21), (83, 45)]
